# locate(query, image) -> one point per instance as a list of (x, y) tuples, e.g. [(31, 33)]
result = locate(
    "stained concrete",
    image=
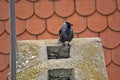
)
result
[(86, 60)]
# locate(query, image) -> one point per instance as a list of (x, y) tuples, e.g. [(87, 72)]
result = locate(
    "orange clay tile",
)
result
[(44, 8), (26, 36), (88, 33), (97, 22), (85, 7), (107, 56), (76, 35), (34, 25), (116, 55), (64, 8), (47, 35), (4, 10), (20, 26), (113, 72), (24, 9), (54, 24), (110, 39), (3, 74), (106, 6), (114, 21), (79, 23), (2, 28), (4, 61), (118, 4), (4, 43)]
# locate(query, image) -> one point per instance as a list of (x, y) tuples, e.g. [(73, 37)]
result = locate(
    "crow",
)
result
[(66, 33)]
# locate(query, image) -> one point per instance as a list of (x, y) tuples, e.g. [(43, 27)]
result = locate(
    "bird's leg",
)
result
[(68, 44)]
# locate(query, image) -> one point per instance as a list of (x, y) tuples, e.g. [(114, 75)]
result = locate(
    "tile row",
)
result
[(63, 8), (35, 25)]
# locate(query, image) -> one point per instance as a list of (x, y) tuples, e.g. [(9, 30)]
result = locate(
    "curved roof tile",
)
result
[(118, 4), (114, 21), (116, 55), (47, 35), (34, 25), (4, 61), (20, 26), (110, 39), (4, 10), (3, 74), (44, 8), (106, 6), (79, 23), (26, 36), (24, 9), (88, 33), (54, 24), (113, 72), (107, 56), (76, 35), (64, 8), (97, 22), (2, 27), (85, 7), (4, 43)]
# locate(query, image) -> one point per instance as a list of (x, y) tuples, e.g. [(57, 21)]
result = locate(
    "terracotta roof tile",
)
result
[(47, 35), (113, 72), (79, 23), (4, 10), (34, 25), (106, 6), (116, 55), (24, 9), (26, 36), (3, 74), (110, 39), (76, 35), (97, 22), (118, 4), (107, 56), (85, 7), (44, 8), (114, 21), (54, 24), (4, 61), (64, 8), (20, 26), (4, 43), (88, 33), (2, 28)]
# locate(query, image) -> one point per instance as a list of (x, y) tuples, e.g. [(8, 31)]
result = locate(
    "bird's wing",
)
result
[(60, 31)]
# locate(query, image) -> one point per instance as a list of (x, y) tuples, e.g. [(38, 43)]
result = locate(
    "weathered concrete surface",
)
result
[(58, 52), (86, 59)]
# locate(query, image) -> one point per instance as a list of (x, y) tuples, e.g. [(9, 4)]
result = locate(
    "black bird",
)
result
[(66, 33)]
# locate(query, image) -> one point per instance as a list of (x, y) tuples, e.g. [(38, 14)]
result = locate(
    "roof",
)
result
[(41, 19)]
